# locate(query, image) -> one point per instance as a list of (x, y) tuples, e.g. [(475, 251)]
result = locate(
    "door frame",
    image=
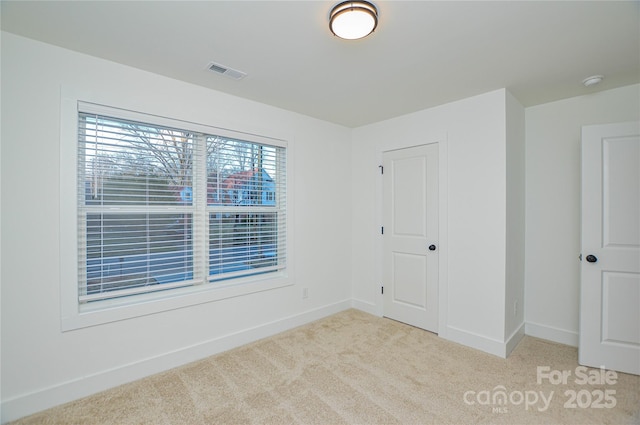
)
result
[(443, 246)]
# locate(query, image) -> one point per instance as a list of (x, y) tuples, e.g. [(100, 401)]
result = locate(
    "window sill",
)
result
[(113, 310)]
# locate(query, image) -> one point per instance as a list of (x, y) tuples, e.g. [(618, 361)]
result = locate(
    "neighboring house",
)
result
[(250, 187)]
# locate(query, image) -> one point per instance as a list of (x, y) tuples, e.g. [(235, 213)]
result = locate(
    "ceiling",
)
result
[(423, 53)]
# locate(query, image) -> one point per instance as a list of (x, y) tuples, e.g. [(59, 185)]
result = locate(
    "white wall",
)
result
[(552, 267), (473, 134), (515, 255), (41, 366)]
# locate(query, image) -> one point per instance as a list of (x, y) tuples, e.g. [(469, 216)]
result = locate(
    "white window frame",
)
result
[(75, 315)]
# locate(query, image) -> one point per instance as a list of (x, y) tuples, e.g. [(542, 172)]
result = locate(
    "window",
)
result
[(166, 204)]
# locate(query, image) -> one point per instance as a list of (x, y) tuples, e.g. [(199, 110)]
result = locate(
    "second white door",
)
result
[(410, 236), (610, 269)]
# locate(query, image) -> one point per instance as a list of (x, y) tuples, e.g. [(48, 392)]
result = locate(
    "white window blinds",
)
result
[(166, 206)]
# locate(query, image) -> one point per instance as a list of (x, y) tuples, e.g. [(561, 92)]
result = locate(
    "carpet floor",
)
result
[(355, 368)]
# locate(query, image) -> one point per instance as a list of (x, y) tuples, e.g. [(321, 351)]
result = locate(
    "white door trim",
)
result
[(443, 247)]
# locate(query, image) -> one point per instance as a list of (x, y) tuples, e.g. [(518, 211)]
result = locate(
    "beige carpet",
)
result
[(354, 368)]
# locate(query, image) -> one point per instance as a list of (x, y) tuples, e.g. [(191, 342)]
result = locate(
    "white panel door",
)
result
[(610, 268), (410, 238)]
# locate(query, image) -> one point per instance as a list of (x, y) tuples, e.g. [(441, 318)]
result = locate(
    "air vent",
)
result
[(226, 71)]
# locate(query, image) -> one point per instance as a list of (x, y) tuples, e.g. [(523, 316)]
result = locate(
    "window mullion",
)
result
[(201, 218)]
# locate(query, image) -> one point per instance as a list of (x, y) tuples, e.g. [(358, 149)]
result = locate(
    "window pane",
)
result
[(245, 195), (127, 250), (241, 241), (131, 163), (240, 173)]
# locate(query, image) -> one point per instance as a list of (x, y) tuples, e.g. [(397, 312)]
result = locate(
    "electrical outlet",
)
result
[(305, 293)]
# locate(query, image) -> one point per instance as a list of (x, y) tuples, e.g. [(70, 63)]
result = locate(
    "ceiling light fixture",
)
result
[(593, 80), (352, 20)]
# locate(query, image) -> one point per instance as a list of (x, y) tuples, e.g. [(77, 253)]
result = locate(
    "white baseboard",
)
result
[(27, 404), (477, 341), (550, 333), (514, 339), (480, 342), (365, 306)]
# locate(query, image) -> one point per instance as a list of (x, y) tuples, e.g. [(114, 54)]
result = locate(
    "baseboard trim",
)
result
[(477, 341), (365, 306), (27, 404), (551, 333), (514, 339)]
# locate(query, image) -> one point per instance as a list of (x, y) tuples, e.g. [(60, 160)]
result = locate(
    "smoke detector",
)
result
[(593, 80), (226, 71)]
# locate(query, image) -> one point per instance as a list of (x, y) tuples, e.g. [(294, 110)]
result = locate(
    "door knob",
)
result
[(432, 247), (592, 258)]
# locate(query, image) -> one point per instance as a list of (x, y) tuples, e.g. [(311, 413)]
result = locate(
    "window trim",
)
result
[(76, 316)]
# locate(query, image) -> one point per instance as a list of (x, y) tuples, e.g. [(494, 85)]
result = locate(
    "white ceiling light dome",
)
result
[(352, 20)]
